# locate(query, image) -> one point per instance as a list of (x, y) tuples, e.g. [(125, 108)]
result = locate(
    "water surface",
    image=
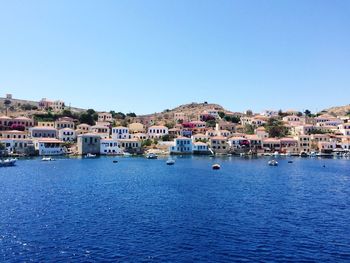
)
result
[(137, 210)]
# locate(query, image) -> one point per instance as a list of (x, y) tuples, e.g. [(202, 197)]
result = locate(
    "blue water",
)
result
[(141, 210)]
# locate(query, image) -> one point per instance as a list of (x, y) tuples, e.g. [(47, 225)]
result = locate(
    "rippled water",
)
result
[(142, 210)]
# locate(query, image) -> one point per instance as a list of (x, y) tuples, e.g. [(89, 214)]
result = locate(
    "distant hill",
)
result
[(16, 107), (191, 110), (338, 111)]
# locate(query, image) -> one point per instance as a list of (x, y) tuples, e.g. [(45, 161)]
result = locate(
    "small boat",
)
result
[(276, 153), (304, 154), (8, 162), (115, 161), (290, 161), (151, 156), (273, 163), (170, 161), (125, 154), (90, 155), (47, 159), (216, 166)]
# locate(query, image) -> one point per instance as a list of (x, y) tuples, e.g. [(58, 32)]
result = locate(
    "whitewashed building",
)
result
[(156, 132), (110, 147), (48, 146), (120, 133), (182, 145), (67, 135)]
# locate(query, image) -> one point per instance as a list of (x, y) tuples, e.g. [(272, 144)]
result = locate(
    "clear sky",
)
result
[(147, 56)]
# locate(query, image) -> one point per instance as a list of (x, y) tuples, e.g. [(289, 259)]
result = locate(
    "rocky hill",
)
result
[(192, 110), (338, 111), (20, 107)]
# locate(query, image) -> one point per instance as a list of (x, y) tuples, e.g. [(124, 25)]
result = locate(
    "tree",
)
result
[(300, 114), (131, 114), (233, 119), (348, 113), (67, 113), (211, 123), (307, 113), (166, 138), (146, 143), (249, 113), (275, 128), (26, 107), (7, 104), (221, 114), (249, 129), (120, 116), (282, 114), (88, 117)]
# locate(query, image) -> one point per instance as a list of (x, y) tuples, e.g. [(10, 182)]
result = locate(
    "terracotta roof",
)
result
[(200, 143), (90, 134), (23, 118), (182, 138), (49, 140), (43, 128), (158, 127), (218, 138)]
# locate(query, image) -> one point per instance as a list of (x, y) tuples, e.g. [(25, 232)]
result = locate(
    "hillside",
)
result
[(16, 107), (339, 110), (191, 110)]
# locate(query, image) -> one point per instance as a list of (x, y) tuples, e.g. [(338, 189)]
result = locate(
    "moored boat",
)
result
[(47, 159), (8, 162), (170, 161), (151, 156), (90, 155), (216, 166), (273, 163)]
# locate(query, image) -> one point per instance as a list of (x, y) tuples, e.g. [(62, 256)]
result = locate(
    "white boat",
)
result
[(90, 155), (125, 154), (151, 156), (47, 159), (313, 154), (8, 162), (273, 163), (216, 166), (276, 153), (170, 161)]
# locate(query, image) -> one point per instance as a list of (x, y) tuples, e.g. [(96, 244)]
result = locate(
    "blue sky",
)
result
[(146, 56)]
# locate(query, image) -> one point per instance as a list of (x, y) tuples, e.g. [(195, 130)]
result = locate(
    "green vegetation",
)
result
[(233, 119), (131, 114), (275, 128), (317, 131), (282, 114), (170, 125), (249, 129), (166, 138), (146, 143), (28, 106), (211, 123), (221, 114), (307, 113)]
